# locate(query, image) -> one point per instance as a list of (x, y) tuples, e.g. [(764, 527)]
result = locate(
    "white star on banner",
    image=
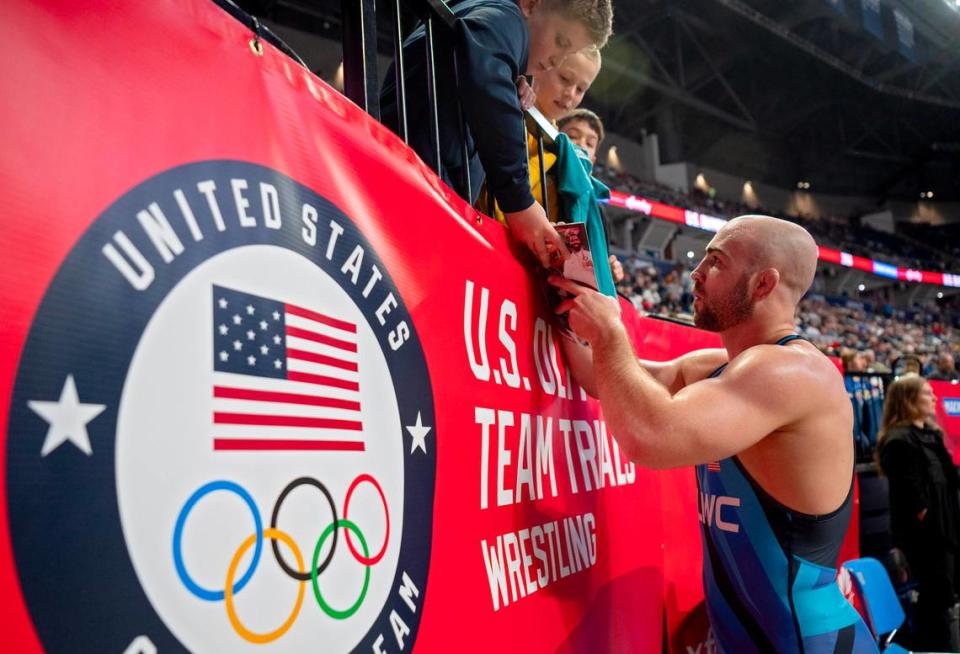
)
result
[(418, 434), (68, 419), (223, 303)]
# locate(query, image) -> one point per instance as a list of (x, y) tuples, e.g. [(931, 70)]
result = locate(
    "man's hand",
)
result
[(592, 315), (525, 92), (616, 269), (532, 228)]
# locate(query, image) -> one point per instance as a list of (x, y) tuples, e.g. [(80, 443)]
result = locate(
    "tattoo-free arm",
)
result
[(705, 421)]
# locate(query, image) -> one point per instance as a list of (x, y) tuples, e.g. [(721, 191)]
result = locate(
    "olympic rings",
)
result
[(192, 586), (386, 538), (246, 634), (303, 575), (273, 534), (329, 610)]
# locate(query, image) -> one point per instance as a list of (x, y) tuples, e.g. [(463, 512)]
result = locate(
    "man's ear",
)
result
[(767, 281), (528, 7)]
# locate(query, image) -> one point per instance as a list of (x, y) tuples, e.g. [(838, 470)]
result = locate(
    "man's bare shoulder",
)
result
[(799, 371)]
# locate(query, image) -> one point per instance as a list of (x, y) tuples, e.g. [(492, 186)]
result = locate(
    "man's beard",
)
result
[(729, 312)]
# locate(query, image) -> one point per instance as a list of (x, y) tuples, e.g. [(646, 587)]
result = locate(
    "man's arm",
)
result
[(705, 421), (672, 375)]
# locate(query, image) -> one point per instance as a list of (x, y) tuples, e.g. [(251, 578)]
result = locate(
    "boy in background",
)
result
[(585, 129), (496, 42)]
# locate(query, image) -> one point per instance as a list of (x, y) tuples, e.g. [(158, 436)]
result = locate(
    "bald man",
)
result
[(767, 423)]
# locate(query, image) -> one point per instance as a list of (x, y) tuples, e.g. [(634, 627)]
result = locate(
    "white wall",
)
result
[(935, 213), (881, 221)]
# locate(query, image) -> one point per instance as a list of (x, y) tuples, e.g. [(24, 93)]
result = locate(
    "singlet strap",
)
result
[(789, 338), (716, 373)]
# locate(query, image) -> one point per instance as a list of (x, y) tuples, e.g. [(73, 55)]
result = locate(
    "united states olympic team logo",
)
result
[(222, 433)]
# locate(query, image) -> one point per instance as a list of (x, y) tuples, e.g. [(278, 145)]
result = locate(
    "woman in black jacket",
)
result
[(924, 507)]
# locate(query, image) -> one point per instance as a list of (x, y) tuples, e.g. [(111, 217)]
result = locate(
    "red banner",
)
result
[(267, 382), (948, 414)]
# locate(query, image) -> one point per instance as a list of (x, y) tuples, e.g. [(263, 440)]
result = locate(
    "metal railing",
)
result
[(360, 76)]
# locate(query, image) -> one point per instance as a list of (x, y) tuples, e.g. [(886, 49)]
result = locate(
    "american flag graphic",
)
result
[(713, 466), (285, 377)]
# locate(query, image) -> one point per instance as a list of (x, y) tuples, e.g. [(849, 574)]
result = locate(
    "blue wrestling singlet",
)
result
[(769, 572)]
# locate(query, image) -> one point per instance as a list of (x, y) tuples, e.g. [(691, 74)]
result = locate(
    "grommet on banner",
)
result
[(255, 44)]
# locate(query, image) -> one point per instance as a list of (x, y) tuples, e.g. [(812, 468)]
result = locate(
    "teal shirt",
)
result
[(579, 193)]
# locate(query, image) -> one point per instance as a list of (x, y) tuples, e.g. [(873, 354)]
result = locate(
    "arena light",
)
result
[(701, 183), (613, 159), (929, 195), (940, 295), (861, 288), (337, 81), (690, 256)]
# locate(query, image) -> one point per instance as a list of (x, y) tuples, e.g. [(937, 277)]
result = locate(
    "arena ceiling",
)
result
[(770, 90)]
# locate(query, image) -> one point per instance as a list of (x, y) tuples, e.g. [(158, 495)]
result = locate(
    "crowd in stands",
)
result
[(922, 247), (886, 336)]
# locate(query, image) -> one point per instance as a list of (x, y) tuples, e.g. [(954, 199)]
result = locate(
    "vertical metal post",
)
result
[(434, 125), (359, 36), (466, 191), (543, 174), (399, 70)]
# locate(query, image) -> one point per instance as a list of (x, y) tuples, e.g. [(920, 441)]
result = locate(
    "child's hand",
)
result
[(532, 228), (616, 269), (525, 92)]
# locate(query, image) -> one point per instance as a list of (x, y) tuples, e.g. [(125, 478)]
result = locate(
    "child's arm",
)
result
[(532, 228), (492, 42)]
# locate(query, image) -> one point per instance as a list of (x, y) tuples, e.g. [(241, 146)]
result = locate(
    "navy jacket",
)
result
[(491, 43)]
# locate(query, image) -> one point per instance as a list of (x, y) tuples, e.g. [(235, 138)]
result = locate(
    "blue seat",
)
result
[(884, 613)]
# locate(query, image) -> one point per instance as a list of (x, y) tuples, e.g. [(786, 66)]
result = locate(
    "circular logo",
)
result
[(222, 431)]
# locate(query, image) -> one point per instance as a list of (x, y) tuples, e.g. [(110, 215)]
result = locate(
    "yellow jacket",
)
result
[(549, 159)]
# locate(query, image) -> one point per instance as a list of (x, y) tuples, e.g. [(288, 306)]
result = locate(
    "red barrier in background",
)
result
[(710, 223), (172, 199), (948, 414)]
